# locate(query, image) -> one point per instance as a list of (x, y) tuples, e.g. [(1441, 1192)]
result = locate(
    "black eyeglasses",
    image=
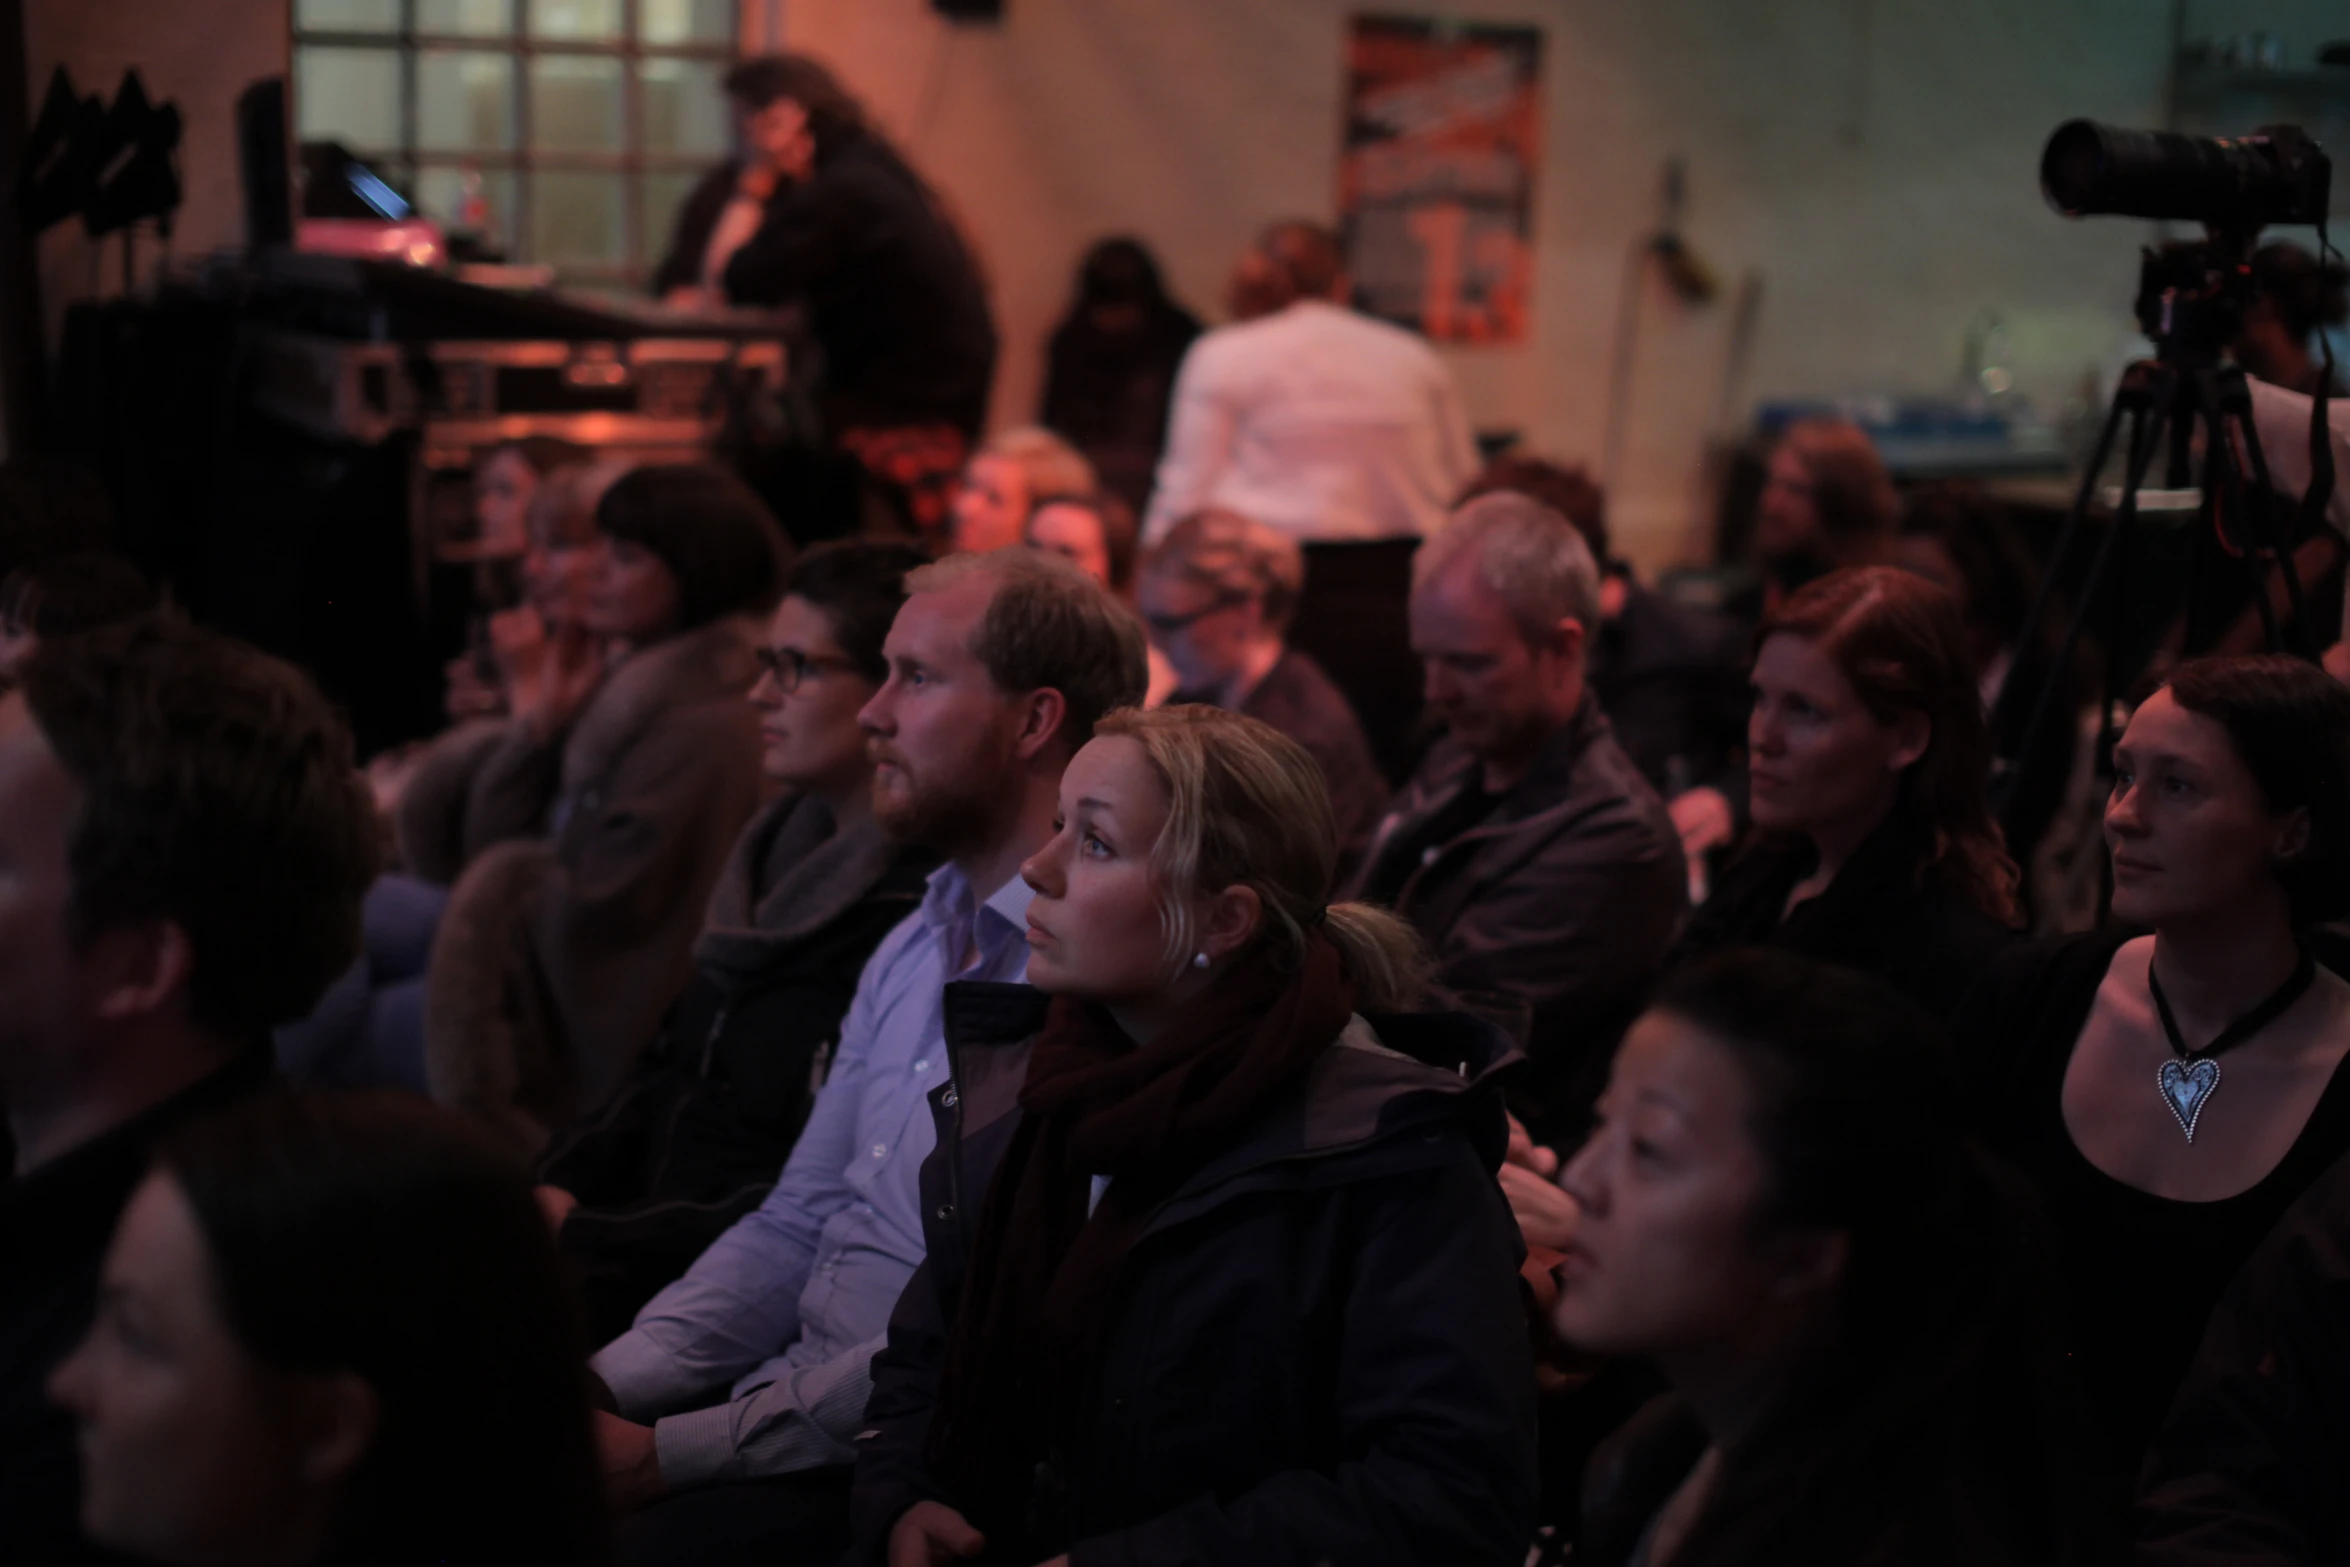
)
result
[(1168, 625), (788, 666)]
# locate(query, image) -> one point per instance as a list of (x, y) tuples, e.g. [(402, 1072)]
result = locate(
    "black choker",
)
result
[(2188, 1083)]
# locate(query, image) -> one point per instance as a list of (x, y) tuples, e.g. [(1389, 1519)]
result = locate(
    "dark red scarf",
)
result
[(1035, 1298)]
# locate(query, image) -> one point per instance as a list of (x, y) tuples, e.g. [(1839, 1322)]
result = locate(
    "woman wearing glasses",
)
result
[(1218, 593), (693, 1138)]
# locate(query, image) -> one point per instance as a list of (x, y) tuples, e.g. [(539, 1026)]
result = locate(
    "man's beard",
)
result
[(952, 813)]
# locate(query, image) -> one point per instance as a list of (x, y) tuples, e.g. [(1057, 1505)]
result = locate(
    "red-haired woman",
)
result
[(1874, 843)]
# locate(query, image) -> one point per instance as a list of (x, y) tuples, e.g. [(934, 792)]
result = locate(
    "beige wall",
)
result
[(1873, 160)]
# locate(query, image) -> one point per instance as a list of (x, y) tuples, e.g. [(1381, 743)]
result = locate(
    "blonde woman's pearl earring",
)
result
[(1199, 960)]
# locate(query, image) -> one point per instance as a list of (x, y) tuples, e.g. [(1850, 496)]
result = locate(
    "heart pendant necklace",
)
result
[(2188, 1083)]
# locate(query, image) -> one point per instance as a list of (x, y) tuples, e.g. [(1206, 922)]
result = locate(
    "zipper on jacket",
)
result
[(710, 1040)]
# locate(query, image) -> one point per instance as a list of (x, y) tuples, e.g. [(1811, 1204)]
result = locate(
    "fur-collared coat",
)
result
[(559, 954)]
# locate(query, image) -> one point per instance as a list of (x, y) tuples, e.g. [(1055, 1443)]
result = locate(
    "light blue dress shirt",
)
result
[(756, 1362)]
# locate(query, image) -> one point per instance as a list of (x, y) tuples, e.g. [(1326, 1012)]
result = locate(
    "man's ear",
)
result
[(1043, 714), (335, 1414), (1229, 921), (1567, 639), (140, 968)]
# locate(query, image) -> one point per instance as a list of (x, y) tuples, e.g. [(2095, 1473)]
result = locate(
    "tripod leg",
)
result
[(2231, 401)]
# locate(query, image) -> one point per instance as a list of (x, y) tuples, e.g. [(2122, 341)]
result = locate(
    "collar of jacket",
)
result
[(1389, 1080), (714, 661), (1889, 864), (1541, 800)]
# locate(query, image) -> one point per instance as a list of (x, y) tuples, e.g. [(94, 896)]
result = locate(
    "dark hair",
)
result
[(860, 588), (1898, 639), (218, 792), (377, 1235), (1992, 559), (1120, 532), (1852, 494), (1934, 1421), (1120, 271), (1049, 626), (2290, 722), (835, 117), (1568, 491), (1304, 259), (69, 593), (2305, 293), (713, 534)]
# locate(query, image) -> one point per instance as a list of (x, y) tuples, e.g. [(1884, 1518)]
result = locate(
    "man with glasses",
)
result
[(1217, 593), (752, 1369), (693, 1138)]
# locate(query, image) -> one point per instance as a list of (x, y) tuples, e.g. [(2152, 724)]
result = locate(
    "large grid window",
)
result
[(581, 123)]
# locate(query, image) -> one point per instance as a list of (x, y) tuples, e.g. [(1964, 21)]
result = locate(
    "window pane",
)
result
[(575, 18), (348, 16), (473, 18), (464, 101), (684, 107), (663, 195), (575, 218), (686, 21), (442, 195), (347, 95), (575, 103)]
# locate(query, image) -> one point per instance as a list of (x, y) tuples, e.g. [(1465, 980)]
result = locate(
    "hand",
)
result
[(632, 1467), (2337, 661), (555, 1203), (1705, 820), (932, 1534), (564, 687), (693, 297), (1546, 1215), (1527, 1154)]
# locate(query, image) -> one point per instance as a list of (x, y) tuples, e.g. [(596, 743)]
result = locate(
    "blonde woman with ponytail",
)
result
[(1217, 1270)]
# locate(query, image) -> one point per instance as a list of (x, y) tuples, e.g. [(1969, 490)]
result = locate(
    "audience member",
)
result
[(1956, 536), (819, 211), (1003, 482), (505, 485), (753, 1368), (452, 804), (1110, 366), (1528, 850), (1218, 593), (1241, 1288), (693, 1139), (505, 489), (558, 956), (1874, 845), (185, 843), (63, 595), (2248, 1467), (1316, 420), (2294, 297), (1671, 678), (2172, 1094), (1848, 1301), (296, 1301), (1827, 503), (1095, 533)]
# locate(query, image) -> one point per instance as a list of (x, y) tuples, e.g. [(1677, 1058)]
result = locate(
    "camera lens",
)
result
[(2275, 176)]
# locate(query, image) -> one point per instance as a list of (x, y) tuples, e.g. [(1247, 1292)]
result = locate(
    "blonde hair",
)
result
[(1048, 465), (1049, 625), (1247, 807), (1236, 557)]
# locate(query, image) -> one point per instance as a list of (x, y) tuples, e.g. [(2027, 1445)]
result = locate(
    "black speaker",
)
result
[(970, 10), (264, 160)]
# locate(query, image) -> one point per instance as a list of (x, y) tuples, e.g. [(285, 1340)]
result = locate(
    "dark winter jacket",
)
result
[(1316, 1352), (697, 1133), (2250, 1466), (890, 292), (1563, 894)]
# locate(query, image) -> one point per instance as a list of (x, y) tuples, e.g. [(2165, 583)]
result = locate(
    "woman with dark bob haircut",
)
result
[(299, 1302), (2173, 1087), (1848, 1300), (1874, 844), (559, 954)]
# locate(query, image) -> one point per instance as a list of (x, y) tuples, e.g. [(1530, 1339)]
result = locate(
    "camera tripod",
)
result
[(2189, 303)]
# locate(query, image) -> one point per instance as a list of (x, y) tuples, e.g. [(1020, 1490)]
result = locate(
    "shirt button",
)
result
[(946, 1212), (880, 1150), (922, 1065)]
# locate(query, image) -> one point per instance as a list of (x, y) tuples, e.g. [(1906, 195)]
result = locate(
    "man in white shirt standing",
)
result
[(1344, 433), (1311, 417)]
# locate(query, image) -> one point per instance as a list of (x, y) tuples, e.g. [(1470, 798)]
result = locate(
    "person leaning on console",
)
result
[(2171, 1094), (1216, 1266)]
